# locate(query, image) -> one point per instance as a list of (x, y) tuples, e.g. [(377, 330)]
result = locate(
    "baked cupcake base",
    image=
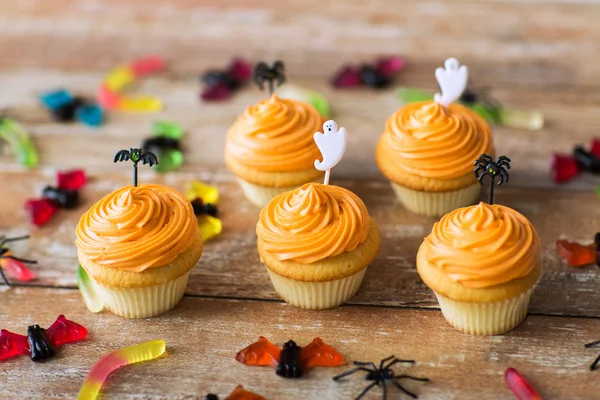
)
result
[(436, 204), (260, 196)]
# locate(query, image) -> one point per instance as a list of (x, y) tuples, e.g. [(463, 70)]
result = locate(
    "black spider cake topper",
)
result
[(136, 155), (382, 376), (485, 165), (275, 74), (594, 365)]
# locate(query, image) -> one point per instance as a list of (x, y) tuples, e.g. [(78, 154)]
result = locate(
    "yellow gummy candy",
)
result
[(140, 104), (118, 78)]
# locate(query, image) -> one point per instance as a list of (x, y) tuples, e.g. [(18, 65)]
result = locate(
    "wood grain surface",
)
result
[(532, 55)]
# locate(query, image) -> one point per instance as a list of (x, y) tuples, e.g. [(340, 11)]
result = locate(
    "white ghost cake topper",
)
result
[(332, 144), (452, 80)]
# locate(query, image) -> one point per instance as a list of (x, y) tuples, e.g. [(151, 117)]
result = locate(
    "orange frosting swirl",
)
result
[(483, 245), (275, 135), (135, 228), (429, 140), (313, 222)]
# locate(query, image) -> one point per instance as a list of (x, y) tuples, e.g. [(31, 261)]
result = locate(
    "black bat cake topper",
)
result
[(275, 74), (136, 155), (485, 165)]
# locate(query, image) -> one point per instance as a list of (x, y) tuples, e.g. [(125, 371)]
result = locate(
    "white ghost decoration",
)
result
[(332, 144), (452, 81)]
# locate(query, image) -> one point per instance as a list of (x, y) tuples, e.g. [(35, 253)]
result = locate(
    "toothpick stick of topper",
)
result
[(136, 155), (485, 165), (273, 74), (332, 145), (452, 81)]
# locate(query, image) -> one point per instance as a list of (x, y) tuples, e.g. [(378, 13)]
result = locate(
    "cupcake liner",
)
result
[(485, 318), (436, 204), (317, 295), (143, 302)]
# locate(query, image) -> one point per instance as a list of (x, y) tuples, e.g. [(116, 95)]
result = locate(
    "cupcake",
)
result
[(270, 148), (138, 245), (316, 242), (426, 150), (482, 262)]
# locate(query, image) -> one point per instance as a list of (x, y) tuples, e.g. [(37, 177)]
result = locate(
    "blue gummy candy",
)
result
[(56, 99), (90, 114)]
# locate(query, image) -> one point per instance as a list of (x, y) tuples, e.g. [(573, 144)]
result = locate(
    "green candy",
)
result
[(170, 160), (92, 299), (19, 140), (167, 129)]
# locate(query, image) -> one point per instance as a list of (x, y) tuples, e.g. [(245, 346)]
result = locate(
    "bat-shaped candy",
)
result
[(291, 361), (40, 344)]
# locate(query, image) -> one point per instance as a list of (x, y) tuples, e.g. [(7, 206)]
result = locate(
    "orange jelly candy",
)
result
[(577, 254)]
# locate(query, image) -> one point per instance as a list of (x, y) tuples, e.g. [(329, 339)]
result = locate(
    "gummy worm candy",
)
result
[(112, 361), (519, 386), (19, 140), (110, 94)]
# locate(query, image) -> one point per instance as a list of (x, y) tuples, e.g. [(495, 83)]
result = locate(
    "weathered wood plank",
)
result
[(203, 336), (230, 265)]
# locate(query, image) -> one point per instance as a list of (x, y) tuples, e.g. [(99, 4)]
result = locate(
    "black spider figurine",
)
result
[(594, 365), (273, 74), (485, 165), (136, 155), (382, 376)]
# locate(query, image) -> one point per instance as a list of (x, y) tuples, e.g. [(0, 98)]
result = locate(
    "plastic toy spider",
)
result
[(485, 165), (14, 266), (382, 375)]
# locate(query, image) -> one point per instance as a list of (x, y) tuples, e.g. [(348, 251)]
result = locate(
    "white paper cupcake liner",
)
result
[(485, 318), (317, 295), (143, 302), (436, 204)]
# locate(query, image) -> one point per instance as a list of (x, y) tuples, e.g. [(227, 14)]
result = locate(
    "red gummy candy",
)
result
[(239, 393), (519, 386), (388, 66), (576, 254), (563, 168), (216, 93), (16, 269), (595, 148), (71, 180), (147, 65), (108, 99), (240, 70), (40, 210), (347, 77)]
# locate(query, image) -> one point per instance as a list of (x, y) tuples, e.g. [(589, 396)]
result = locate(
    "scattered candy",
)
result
[(64, 107), (110, 94), (519, 386), (378, 75), (564, 167), (92, 299), (14, 266), (40, 344), (292, 360), (165, 144), (115, 360), (136, 155), (595, 363), (65, 195), (221, 84), (316, 99), (239, 393), (577, 254), (489, 109), (382, 375), (204, 198), (19, 141), (485, 165)]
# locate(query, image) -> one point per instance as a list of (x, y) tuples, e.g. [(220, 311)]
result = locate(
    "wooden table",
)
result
[(532, 55)]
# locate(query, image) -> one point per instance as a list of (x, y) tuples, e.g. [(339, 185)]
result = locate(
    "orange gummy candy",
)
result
[(577, 254)]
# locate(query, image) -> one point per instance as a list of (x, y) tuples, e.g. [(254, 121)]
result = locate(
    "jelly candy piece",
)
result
[(115, 360), (199, 190), (170, 159), (140, 104), (107, 98), (347, 77), (147, 65), (490, 114), (56, 99), (595, 147), (240, 70), (216, 93), (168, 129), (563, 168), (586, 160), (519, 386), (239, 393), (388, 66), (119, 78), (13, 345), (409, 95), (532, 120), (40, 210), (16, 269), (371, 77), (90, 115), (317, 100), (215, 77), (577, 254), (66, 112), (71, 180), (61, 197), (92, 299), (19, 141), (209, 226), (262, 352), (597, 190)]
